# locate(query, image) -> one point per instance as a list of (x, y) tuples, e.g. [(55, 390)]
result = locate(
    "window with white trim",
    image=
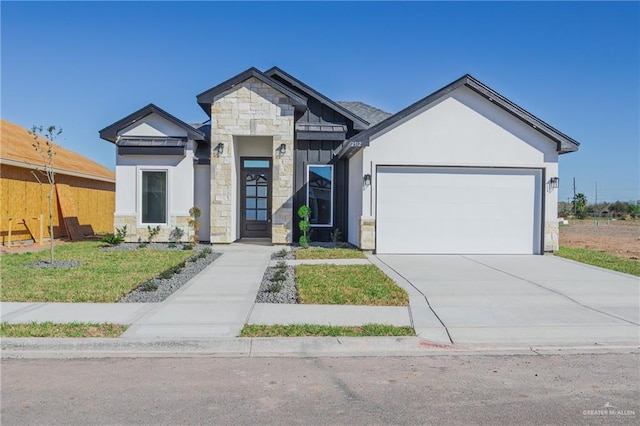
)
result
[(320, 194), (154, 196)]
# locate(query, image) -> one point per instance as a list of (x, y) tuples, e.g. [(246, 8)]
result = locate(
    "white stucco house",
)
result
[(462, 171)]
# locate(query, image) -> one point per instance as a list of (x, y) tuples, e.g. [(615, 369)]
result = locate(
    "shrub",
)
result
[(117, 238), (281, 253), (304, 212), (172, 245), (194, 223), (336, 236), (176, 235), (153, 233), (111, 239), (187, 247)]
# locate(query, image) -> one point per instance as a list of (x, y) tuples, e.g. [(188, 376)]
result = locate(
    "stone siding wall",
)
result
[(551, 236), (251, 108), (136, 234), (367, 233)]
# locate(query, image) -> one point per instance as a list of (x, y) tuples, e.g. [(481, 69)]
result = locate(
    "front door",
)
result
[(255, 178)]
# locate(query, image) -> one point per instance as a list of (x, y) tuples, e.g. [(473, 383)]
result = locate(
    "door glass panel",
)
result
[(256, 164), (251, 203), (251, 191), (251, 215), (262, 203), (262, 215), (262, 191)]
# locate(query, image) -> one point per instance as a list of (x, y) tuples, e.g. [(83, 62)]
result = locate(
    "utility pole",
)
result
[(574, 196), (597, 199)]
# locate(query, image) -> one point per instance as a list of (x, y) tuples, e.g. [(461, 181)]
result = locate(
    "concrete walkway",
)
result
[(215, 303)]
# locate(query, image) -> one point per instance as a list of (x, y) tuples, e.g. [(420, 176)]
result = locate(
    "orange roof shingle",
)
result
[(16, 143)]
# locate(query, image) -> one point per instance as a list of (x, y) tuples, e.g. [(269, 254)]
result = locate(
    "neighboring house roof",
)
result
[(564, 143), (371, 114), (205, 99), (17, 150), (110, 133), (359, 122)]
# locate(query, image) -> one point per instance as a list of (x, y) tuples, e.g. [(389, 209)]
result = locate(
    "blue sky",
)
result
[(84, 65)]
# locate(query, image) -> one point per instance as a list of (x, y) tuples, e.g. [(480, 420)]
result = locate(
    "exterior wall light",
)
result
[(219, 149), (367, 180), (554, 182), (281, 150)]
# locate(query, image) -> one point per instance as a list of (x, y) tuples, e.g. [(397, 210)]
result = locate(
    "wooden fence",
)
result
[(24, 199)]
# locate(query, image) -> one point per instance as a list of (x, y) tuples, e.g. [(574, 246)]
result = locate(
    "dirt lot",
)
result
[(620, 237)]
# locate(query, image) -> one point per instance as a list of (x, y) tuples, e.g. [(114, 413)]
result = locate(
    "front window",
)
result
[(154, 197), (320, 194)]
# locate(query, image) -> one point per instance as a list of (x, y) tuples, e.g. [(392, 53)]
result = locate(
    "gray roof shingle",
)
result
[(367, 112)]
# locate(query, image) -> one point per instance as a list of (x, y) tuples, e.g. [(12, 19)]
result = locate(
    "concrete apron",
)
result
[(215, 303), (520, 300)]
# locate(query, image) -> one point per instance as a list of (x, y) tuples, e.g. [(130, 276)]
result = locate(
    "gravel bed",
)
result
[(55, 264), (291, 251), (157, 289), (288, 292)]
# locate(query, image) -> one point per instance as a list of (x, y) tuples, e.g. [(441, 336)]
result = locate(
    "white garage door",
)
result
[(447, 210)]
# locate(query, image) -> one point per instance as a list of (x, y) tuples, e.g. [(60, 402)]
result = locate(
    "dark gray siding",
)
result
[(321, 152)]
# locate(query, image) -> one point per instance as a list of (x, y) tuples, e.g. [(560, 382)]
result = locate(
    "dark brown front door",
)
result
[(255, 178)]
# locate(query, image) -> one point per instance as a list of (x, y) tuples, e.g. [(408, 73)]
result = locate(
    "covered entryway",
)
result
[(458, 210)]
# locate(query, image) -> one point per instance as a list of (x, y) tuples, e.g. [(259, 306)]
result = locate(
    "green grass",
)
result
[(329, 253), (303, 330), (347, 285), (603, 260), (49, 329), (102, 276)]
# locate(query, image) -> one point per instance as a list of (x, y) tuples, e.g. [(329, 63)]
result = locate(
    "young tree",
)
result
[(46, 151), (580, 205)]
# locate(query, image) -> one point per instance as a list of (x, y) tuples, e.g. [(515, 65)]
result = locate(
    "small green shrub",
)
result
[(281, 253), (149, 286), (336, 236), (187, 247), (176, 235), (304, 212), (142, 245), (117, 238), (111, 239), (275, 287), (121, 233), (172, 245), (281, 264), (153, 233), (279, 275)]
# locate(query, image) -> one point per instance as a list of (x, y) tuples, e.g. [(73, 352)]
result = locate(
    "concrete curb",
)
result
[(61, 348)]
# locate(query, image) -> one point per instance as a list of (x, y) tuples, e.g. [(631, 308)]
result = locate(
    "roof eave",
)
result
[(206, 98), (564, 143), (110, 133), (358, 122)]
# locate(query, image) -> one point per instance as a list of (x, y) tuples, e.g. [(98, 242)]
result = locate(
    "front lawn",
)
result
[(49, 329), (102, 276), (329, 253), (603, 260), (310, 330), (328, 284)]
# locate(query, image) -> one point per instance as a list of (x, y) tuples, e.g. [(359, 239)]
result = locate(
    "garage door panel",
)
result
[(456, 211)]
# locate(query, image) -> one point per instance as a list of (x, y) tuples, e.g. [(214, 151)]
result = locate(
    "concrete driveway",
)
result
[(520, 299)]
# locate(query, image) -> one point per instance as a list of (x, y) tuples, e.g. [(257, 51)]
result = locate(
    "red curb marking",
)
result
[(426, 344)]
